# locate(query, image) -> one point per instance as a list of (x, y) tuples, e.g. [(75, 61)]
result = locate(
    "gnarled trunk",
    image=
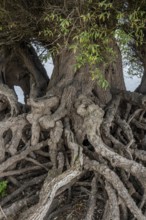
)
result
[(113, 74), (142, 55), (81, 137)]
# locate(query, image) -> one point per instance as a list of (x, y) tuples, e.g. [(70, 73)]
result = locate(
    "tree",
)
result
[(87, 133)]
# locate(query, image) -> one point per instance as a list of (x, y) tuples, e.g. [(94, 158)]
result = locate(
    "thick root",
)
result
[(104, 150), (8, 98)]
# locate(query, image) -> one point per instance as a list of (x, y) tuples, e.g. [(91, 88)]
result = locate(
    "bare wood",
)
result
[(21, 156), (92, 202), (16, 207), (113, 202), (93, 117), (114, 180), (32, 182), (48, 193), (24, 170)]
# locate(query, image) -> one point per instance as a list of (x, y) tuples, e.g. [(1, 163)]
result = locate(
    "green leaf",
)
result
[(3, 188)]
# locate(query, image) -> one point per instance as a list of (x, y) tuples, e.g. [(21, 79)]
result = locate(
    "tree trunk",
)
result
[(113, 74), (88, 143), (142, 54)]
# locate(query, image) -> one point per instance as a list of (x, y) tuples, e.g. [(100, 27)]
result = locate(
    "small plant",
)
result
[(3, 188)]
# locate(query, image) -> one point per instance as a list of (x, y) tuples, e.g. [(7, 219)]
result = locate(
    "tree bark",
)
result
[(142, 55), (82, 137), (113, 74)]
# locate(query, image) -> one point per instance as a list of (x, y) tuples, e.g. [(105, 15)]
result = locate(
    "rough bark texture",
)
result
[(142, 55), (21, 66), (90, 155), (113, 73)]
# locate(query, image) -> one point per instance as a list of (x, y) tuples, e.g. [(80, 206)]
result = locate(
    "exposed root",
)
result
[(9, 99), (103, 151), (93, 117), (117, 184), (11, 211), (113, 202), (92, 202), (18, 191), (48, 193), (111, 208), (9, 162)]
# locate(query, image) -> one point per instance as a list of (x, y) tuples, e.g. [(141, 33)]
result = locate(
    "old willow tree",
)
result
[(76, 148)]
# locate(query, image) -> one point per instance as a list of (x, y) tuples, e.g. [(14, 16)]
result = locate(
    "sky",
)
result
[(131, 83)]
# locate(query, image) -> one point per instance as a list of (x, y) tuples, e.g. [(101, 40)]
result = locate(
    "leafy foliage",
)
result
[(3, 188), (86, 27)]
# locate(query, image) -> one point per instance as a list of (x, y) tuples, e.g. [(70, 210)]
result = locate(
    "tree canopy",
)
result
[(86, 26)]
